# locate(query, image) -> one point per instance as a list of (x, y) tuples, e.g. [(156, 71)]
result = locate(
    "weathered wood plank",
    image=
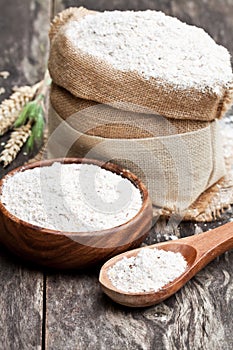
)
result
[(21, 305), (24, 49), (199, 316), (23, 37)]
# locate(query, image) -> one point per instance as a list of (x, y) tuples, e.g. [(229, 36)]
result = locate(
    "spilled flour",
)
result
[(149, 270), (155, 46), (71, 197)]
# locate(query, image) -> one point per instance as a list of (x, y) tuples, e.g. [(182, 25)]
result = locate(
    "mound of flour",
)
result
[(155, 46), (71, 197), (149, 270)]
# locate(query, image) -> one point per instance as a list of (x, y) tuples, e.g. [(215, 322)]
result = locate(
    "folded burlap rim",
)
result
[(210, 203), (66, 105)]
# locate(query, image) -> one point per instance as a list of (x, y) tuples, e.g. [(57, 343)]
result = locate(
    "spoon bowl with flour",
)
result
[(146, 276)]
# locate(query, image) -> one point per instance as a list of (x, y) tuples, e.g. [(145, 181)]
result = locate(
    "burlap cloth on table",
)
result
[(90, 78), (103, 132)]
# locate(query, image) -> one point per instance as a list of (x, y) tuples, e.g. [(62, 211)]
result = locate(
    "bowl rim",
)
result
[(125, 173)]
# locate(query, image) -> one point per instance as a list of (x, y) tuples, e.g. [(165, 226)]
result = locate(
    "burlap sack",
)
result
[(177, 160), (116, 123), (93, 79)]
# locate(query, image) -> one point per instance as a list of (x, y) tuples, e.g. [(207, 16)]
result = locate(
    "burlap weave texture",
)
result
[(168, 161), (90, 78)]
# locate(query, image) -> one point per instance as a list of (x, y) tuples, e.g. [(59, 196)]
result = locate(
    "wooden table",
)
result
[(41, 309)]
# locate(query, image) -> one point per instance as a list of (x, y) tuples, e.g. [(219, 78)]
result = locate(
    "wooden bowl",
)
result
[(65, 250)]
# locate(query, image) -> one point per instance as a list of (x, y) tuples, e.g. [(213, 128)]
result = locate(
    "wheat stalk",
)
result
[(11, 107), (16, 141), (4, 74)]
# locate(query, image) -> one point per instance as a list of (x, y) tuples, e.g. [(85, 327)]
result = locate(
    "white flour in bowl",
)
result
[(71, 197), (149, 270), (155, 46)]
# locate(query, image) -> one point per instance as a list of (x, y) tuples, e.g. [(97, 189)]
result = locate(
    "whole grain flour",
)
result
[(140, 60), (155, 46), (71, 197), (149, 270)]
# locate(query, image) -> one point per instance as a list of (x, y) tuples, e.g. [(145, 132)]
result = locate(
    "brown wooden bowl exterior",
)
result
[(63, 250)]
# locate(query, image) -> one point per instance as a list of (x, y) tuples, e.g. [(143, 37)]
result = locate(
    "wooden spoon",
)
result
[(198, 250)]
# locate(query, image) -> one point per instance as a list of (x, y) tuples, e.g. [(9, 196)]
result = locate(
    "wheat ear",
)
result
[(11, 107), (16, 141)]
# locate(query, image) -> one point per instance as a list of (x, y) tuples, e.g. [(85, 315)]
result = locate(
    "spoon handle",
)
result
[(212, 243)]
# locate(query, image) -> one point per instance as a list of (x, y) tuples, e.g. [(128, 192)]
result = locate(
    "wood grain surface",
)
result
[(24, 49), (23, 37), (21, 305), (198, 251), (76, 313), (198, 317)]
